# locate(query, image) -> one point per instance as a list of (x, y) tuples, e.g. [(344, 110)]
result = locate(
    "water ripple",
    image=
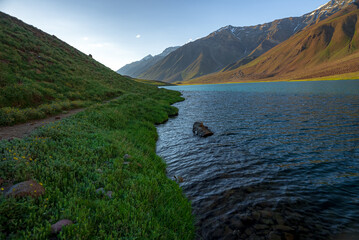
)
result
[(279, 165)]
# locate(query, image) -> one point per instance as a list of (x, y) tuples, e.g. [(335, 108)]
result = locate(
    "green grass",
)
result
[(39, 76), (65, 157), (37, 70)]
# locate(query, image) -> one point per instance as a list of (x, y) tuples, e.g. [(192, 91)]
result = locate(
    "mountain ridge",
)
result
[(327, 48), (230, 47), (136, 68)]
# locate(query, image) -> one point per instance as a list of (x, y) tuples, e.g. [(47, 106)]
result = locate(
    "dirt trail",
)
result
[(24, 129)]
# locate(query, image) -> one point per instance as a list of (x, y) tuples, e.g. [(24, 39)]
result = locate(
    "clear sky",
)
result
[(117, 32)]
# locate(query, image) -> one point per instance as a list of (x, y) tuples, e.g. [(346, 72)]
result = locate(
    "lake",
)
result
[(283, 162)]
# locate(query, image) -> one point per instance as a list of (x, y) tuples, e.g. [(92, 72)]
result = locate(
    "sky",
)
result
[(118, 32)]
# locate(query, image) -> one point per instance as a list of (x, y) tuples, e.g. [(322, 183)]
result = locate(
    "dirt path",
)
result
[(24, 129)]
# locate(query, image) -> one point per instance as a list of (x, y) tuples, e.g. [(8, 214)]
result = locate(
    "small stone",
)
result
[(266, 214), (250, 189), (279, 219), (248, 231), (247, 220), (274, 236), (283, 228), (236, 223), (266, 232), (267, 221), (29, 188), (100, 190), (317, 226), (288, 236), (126, 157), (302, 229), (109, 194), (256, 215), (236, 233), (99, 170), (260, 226), (254, 237), (227, 231), (218, 233), (57, 227), (126, 163)]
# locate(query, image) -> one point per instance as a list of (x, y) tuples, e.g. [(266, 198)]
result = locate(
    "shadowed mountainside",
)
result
[(231, 47), (328, 48), (135, 69)]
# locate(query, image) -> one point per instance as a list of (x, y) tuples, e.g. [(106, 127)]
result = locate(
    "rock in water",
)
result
[(57, 227), (29, 188), (201, 130)]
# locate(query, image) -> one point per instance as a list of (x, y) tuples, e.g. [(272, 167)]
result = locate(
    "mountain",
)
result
[(330, 47), (137, 68), (231, 47)]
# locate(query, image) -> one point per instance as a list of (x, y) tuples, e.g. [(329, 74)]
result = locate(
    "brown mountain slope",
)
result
[(330, 47), (234, 45)]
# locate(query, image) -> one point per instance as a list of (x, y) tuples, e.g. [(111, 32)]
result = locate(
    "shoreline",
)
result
[(272, 81), (111, 147)]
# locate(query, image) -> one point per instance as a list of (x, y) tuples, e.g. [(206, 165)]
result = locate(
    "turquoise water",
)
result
[(283, 162), (344, 87)]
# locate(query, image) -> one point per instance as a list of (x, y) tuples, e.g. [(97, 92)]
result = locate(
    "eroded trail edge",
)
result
[(24, 129)]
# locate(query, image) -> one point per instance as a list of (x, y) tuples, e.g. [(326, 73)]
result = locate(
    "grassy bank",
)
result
[(74, 157), (41, 75)]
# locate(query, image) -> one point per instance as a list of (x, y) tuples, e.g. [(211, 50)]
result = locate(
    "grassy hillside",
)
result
[(73, 157), (41, 75), (331, 47)]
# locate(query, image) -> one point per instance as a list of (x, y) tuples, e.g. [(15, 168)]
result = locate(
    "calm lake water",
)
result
[(283, 162)]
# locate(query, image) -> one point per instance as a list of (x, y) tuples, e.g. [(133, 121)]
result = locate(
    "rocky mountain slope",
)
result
[(231, 47), (330, 47), (137, 68)]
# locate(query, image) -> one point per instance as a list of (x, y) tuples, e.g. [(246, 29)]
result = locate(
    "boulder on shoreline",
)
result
[(201, 130)]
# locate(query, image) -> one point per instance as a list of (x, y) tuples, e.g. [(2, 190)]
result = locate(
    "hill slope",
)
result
[(42, 75), (135, 69), (98, 168), (330, 47), (233, 46)]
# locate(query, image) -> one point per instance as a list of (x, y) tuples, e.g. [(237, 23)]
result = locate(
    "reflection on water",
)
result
[(283, 163)]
